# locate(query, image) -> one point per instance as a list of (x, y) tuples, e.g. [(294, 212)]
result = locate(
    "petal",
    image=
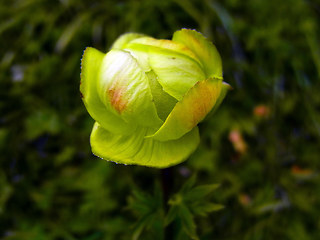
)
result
[(176, 67), (166, 44), (124, 39), (193, 108), (175, 74), (162, 100), (224, 90), (136, 149), (90, 66), (124, 89), (203, 48)]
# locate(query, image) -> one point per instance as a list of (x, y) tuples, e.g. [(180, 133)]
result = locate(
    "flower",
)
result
[(147, 96), (261, 111), (239, 144)]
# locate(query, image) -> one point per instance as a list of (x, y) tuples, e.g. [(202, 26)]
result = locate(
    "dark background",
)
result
[(262, 145)]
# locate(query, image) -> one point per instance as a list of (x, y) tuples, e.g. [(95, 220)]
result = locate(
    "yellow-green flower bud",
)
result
[(147, 96)]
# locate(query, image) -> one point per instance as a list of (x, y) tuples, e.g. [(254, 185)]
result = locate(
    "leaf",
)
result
[(188, 223), (203, 208), (189, 184), (200, 192), (191, 201), (150, 211), (171, 215), (42, 121), (141, 202), (190, 9), (141, 225), (69, 32)]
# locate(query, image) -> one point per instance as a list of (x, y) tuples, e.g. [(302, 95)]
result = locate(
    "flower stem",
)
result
[(167, 182)]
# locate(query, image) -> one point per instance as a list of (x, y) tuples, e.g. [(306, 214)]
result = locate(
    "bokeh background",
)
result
[(262, 146)]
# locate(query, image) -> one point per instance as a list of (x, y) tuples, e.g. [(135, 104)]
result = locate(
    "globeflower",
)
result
[(148, 95)]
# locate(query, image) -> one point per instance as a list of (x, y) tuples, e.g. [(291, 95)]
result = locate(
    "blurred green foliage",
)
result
[(262, 146)]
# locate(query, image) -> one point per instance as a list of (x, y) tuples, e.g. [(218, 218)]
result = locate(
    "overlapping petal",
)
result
[(90, 67), (147, 96), (193, 108), (136, 149), (125, 91), (124, 39), (206, 52), (177, 68)]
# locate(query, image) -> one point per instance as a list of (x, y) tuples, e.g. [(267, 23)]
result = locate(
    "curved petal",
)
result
[(124, 39), (193, 108), (90, 66), (203, 48), (225, 87), (175, 74), (136, 149), (165, 44), (124, 89), (176, 67), (162, 100)]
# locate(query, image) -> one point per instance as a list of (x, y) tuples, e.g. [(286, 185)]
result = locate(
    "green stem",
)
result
[(167, 182)]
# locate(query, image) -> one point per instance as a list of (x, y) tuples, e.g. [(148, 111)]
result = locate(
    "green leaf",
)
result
[(187, 220), (141, 202), (149, 208), (40, 122), (196, 104), (136, 149), (139, 227), (191, 201), (203, 208), (203, 48), (172, 215), (6, 192), (200, 192), (90, 67), (188, 184), (69, 32)]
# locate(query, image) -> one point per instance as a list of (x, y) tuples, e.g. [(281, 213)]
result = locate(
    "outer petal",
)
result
[(124, 89), (193, 108), (176, 67), (90, 66), (224, 90), (136, 149), (203, 48), (165, 44), (124, 39)]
